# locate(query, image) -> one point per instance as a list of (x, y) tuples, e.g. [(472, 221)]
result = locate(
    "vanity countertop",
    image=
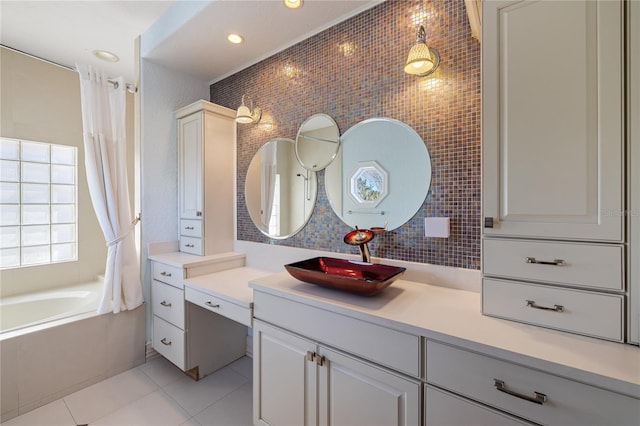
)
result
[(230, 285), (186, 260), (453, 316)]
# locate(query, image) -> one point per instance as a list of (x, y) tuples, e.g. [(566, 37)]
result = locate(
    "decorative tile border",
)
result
[(354, 71)]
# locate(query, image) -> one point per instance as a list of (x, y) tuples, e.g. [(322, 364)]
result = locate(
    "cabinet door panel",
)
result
[(190, 166), (356, 393), (552, 119), (284, 381)]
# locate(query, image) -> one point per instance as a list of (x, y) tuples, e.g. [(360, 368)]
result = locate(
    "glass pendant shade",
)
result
[(243, 115), (419, 60), (246, 115), (422, 59)]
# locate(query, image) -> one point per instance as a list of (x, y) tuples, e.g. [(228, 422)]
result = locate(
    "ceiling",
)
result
[(67, 32)]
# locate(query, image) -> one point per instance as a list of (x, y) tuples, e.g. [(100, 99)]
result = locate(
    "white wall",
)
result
[(162, 91), (41, 102)]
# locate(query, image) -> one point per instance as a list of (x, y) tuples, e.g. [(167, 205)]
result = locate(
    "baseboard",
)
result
[(150, 353)]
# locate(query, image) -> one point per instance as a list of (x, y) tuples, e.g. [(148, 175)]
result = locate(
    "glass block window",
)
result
[(38, 210)]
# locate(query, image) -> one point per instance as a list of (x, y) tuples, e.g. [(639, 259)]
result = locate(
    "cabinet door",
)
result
[(552, 119), (284, 378), (355, 393), (190, 178)]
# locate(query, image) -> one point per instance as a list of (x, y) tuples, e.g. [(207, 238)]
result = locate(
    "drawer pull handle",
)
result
[(556, 308), (555, 262), (165, 303), (211, 305), (189, 228), (165, 274), (166, 342), (538, 398), (189, 245)]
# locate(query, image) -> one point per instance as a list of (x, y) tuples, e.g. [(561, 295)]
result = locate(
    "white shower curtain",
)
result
[(103, 119)]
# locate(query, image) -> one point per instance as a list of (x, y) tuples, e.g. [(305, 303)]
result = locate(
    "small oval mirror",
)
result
[(317, 142), (279, 192)]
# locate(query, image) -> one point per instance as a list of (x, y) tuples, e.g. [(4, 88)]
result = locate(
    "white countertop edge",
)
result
[(223, 284), (543, 352), (185, 260)]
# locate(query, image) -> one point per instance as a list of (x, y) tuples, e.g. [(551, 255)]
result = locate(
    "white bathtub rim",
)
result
[(56, 320)]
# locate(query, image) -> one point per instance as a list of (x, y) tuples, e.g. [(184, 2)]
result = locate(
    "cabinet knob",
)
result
[(189, 245), (166, 342), (165, 274), (188, 228), (310, 356), (488, 222), (198, 213), (210, 304), (165, 303)]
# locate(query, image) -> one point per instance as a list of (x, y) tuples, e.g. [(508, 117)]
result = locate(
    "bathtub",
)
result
[(53, 343), (28, 310)]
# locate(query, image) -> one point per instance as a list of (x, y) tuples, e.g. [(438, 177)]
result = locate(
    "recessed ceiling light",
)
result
[(106, 56), (293, 4), (235, 38)]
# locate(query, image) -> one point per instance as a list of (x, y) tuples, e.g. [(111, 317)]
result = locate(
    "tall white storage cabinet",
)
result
[(554, 165), (206, 156)]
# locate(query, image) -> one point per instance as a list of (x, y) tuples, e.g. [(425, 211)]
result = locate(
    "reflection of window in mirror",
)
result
[(274, 220)]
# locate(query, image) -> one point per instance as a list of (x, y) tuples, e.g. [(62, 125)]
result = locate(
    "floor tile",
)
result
[(196, 396), (234, 409), (155, 409), (53, 414), (108, 396), (243, 366), (161, 371)]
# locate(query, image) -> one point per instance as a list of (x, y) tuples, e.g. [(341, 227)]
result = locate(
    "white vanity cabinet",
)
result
[(206, 169), (326, 357), (518, 390), (187, 334), (308, 381), (553, 141)]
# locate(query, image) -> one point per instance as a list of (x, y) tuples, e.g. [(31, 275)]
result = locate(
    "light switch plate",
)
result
[(437, 227)]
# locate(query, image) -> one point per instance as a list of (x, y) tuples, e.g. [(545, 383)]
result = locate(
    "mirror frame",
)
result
[(322, 162)]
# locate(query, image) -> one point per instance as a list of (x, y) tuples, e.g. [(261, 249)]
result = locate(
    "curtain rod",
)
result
[(131, 88)]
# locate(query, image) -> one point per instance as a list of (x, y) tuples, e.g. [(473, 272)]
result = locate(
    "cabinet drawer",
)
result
[(219, 306), (168, 340), (191, 245), (566, 402), (168, 274), (446, 409), (168, 303), (591, 314), (191, 228), (400, 351), (585, 265)]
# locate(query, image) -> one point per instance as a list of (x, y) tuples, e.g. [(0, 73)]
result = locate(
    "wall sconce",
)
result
[(422, 60), (246, 115)]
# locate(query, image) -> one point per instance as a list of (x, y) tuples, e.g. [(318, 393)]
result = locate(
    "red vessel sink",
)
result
[(355, 277)]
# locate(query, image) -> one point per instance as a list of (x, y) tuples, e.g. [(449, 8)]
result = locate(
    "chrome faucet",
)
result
[(360, 238)]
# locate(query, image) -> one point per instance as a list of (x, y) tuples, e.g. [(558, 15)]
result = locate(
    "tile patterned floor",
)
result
[(154, 394)]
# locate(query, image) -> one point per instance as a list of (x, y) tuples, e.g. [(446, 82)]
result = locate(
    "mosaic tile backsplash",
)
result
[(354, 71)]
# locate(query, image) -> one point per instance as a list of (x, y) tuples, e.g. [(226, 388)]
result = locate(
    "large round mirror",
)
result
[(381, 176), (279, 192), (317, 142)]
